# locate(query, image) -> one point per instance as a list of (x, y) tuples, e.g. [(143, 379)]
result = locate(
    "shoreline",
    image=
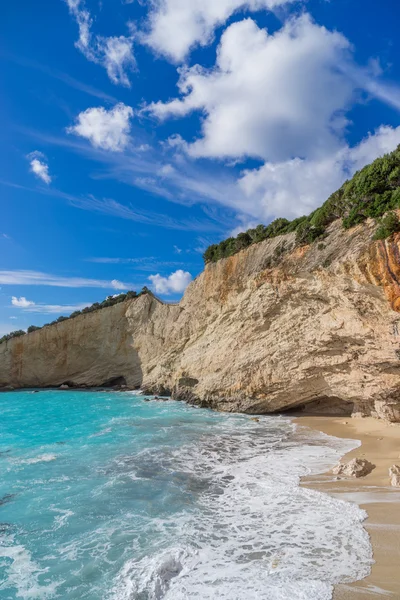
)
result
[(380, 444)]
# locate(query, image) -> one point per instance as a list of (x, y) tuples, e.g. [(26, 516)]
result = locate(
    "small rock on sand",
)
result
[(357, 467), (394, 473), (255, 419)]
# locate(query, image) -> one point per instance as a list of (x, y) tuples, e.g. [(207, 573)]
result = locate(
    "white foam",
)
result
[(254, 532), (102, 432), (35, 459), (61, 518), (23, 573)]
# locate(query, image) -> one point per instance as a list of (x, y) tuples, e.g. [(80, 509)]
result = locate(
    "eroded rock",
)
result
[(394, 473), (245, 337), (356, 467)]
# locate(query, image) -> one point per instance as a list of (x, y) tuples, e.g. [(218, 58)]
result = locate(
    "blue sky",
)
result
[(137, 132)]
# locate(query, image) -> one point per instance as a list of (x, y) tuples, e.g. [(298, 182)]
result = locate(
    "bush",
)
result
[(307, 233), (32, 328), (109, 301), (12, 334), (387, 225), (372, 192)]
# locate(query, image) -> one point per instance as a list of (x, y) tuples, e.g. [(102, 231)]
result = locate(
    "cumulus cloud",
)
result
[(268, 96), (21, 302), (115, 54), (39, 166), (296, 187), (118, 285), (175, 26), (106, 129), (281, 98), (176, 283)]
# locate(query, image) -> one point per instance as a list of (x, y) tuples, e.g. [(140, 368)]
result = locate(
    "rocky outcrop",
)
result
[(394, 474), (90, 350), (311, 328), (357, 467)]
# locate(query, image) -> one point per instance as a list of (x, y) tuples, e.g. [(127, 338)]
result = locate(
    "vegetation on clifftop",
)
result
[(109, 301), (372, 192)]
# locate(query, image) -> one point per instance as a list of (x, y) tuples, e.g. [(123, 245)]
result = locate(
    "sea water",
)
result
[(104, 496)]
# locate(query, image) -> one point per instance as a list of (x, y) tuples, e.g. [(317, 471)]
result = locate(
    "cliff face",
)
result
[(262, 331)]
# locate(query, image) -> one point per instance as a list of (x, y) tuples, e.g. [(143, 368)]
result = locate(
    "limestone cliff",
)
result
[(271, 328)]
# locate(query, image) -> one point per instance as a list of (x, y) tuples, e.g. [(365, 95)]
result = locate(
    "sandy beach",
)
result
[(380, 444)]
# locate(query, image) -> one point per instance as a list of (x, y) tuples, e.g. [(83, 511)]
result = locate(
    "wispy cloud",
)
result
[(148, 263), (56, 309), (22, 277), (116, 261), (64, 78), (114, 53), (187, 184), (30, 306), (113, 208)]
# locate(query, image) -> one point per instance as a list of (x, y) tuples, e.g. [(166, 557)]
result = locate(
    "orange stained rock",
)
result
[(383, 268)]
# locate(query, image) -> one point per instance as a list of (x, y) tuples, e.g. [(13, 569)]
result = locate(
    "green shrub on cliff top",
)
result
[(373, 191), (12, 334), (388, 224), (109, 301)]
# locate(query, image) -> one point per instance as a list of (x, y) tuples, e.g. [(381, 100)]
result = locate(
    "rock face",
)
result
[(394, 473), (357, 467), (314, 328)]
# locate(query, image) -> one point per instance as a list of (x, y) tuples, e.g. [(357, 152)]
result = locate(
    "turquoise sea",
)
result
[(106, 497)]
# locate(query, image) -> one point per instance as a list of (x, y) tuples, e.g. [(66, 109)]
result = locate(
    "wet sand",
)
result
[(380, 444)]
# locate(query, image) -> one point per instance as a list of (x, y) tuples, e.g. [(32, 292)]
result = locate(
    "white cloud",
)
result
[(13, 318), (30, 306), (118, 58), (115, 54), (106, 129), (176, 283), (39, 166), (281, 98), (118, 285), (84, 21), (268, 96), (175, 26), (296, 187), (21, 277), (56, 309), (21, 302)]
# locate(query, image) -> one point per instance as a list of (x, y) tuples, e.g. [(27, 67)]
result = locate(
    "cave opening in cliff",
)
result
[(326, 406), (114, 382)]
